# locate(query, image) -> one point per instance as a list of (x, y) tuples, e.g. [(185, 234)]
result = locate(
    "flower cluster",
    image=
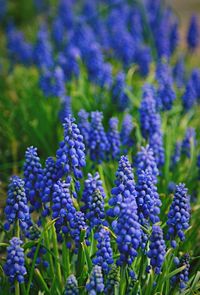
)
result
[(113, 280), (104, 254), (95, 284), (17, 208), (179, 214), (124, 189), (91, 184), (127, 229), (33, 174), (126, 131), (119, 96), (71, 286), (145, 161), (157, 249), (193, 33), (84, 126), (14, 267), (50, 177), (148, 201), (114, 138), (71, 153), (62, 208), (182, 277), (99, 144)]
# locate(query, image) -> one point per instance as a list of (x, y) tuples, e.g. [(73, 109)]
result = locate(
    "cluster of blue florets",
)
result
[(145, 161), (148, 200), (71, 154), (157, 249), (114, 138), (99, 145), (50, 177), (104, 254), (95, 284), (62, 208), (71, 286), (14, 267), (33, 174), (17, 208), (179, 214), (124, 189)]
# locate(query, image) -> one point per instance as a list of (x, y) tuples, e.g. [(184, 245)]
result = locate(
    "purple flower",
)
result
[(95, 284), (124, 187), (114, 138), (157, 249), (14, 267), (33, 174), (179, 214), (71, 153), (104, 254), (193, 34), (17, 205), (99, 145)]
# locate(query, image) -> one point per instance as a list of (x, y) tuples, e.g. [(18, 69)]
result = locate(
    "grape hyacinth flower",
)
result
[(189, 96), (124, 187), (14, 267), (182, 277), (187, 142), (128, 231), (104, 254), (17, 208), (96, 212), (179, 72), (145, 161), (66, 108), (113, 279), (114, 138), (126, 132), (119, 96), (148, 200), (165, 96), (193, 35), (156, 143), (95, 284), (179, 214), (50, 177), (195, 78), (143, 59), (84, 126), (33, 174), (99, 145), (42, 52), (149, 119), (62, 208), (91, 184), (71, 153), (77, 224), (174, 37), (71, 286), (175, 158), (157, 249)]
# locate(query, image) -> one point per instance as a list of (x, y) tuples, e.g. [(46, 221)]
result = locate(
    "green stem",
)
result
[(17, 290), (56, 253), (41, 281), (47, 239), (65, 257), (122, 280)]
